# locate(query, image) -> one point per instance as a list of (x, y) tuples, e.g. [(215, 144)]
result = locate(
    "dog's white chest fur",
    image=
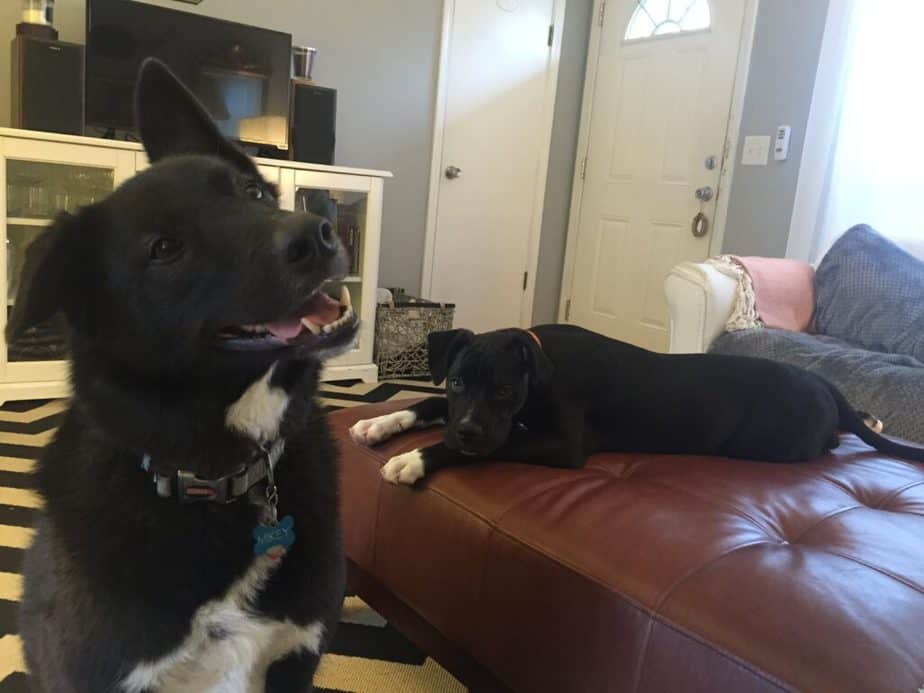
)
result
[(229, 647)]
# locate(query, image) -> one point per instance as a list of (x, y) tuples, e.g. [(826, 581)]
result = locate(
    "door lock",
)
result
[(453, 172), (699, 227)]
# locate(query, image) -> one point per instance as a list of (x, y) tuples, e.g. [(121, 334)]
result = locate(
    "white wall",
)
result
[(381, 55)]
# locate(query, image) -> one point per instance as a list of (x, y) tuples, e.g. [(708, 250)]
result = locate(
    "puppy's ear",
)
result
[(538, 365), (171, 121), (44, 279), (442, 348)]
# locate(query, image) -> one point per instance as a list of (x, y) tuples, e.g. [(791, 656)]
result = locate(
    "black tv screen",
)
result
[(239, 72)]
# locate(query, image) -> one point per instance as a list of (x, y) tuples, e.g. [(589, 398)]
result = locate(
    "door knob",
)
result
[(453, 172), (704, 194)]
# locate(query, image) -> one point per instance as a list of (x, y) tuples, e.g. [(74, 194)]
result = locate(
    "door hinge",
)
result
[(567, 310), (602, 13), (525, 277), (551, 34), (583, 168)]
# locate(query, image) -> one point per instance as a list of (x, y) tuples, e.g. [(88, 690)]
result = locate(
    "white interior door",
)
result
[(663, 89), (499, 76)]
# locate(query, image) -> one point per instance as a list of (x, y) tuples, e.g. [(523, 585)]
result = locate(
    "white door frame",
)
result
[(436, 160), (749, 23)]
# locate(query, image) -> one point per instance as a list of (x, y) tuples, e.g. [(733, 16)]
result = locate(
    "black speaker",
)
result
[(313, 123), (47, 85)]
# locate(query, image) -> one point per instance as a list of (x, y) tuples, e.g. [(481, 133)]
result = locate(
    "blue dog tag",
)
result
[(274, 540)]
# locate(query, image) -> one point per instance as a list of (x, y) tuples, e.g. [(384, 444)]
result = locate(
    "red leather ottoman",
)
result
[(648, 572)]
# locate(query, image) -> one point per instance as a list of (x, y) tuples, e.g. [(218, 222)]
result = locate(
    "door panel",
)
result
[(495, 131), (659, 109)]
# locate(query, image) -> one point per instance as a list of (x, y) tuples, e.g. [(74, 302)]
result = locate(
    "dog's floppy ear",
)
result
[(538, 365), (442, 348), (43, 283), (171, 120)]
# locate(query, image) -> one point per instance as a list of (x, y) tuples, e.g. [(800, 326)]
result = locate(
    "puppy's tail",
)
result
[(853, 422)]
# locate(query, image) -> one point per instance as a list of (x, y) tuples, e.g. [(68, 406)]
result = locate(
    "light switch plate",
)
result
[(756, 150)]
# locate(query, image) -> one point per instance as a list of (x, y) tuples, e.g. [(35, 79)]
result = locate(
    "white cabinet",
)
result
[(43, 173)]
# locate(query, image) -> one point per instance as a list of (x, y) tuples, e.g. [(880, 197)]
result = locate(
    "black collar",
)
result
[(186, 487)]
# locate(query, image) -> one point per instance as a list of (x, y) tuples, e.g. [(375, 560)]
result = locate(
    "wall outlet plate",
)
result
[(756, 150)]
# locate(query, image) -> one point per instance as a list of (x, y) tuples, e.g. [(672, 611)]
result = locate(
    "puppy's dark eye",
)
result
[(503, 392), (165, 249), (456, 384), (254, 191)]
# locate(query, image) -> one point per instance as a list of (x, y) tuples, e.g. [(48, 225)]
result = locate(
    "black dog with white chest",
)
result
[(195, 310), (555, 394)]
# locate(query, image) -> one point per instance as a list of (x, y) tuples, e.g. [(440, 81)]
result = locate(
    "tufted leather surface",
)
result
[(655, 572)]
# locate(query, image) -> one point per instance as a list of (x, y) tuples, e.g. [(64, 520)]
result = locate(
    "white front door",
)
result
[(499, 75), (661, 99)]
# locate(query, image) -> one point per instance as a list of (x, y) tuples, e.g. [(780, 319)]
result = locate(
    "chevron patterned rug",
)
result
[(367, 654)]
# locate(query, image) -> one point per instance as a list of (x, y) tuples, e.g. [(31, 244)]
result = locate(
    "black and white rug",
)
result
[(367, 653)]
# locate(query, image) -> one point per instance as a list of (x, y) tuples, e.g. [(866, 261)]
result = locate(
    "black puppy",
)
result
[(557, 393), (195, 309)]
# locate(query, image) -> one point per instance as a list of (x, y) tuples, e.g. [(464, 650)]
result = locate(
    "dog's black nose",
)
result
[(307, 239), (327, 239), (468, 430)]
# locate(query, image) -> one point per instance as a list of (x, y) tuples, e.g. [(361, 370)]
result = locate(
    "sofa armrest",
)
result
[(700, 300)]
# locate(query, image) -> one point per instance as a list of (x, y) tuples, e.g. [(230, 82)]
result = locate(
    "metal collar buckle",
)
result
[(191, 488), (186, 487)]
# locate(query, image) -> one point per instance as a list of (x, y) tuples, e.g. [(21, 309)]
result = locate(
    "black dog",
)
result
[(557, 393), (157, 563)]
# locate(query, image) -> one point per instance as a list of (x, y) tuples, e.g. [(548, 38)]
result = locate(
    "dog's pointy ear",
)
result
[(171, 121), (442, 348), (538, 365), (43, 281)]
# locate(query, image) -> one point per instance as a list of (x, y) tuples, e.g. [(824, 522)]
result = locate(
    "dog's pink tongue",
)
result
[(285, 329), (321, 309)]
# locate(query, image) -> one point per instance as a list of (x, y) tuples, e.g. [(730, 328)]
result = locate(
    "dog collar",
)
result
[(186, 487), (535, 338)]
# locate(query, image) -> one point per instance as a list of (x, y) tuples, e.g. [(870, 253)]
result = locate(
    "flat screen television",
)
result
[(239, 72)]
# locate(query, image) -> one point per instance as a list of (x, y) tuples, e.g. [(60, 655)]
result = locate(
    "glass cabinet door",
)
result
[(36, 191), (346, 210)]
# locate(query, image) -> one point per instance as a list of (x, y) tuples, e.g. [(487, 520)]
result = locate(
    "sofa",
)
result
[(867, 336), (646, 572)]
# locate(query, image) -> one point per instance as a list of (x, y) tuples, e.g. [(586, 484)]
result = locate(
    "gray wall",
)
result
[(561, 159), (787, 43), (382, 56)]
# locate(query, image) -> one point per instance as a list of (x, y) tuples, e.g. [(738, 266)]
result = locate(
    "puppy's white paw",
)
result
[(404, 469), (381, 428)]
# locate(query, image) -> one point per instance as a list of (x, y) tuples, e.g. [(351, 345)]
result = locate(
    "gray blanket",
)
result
[(870, 293), (889, 386)]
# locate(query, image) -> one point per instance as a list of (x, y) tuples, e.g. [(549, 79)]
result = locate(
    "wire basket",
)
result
[(400, 349)]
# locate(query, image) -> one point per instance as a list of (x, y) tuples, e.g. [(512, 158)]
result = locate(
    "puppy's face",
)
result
[(488, 380), (191, 263)]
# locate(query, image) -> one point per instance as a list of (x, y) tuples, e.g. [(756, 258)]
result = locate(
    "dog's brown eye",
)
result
[(504, 392), (254, 191), (166, 249)]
